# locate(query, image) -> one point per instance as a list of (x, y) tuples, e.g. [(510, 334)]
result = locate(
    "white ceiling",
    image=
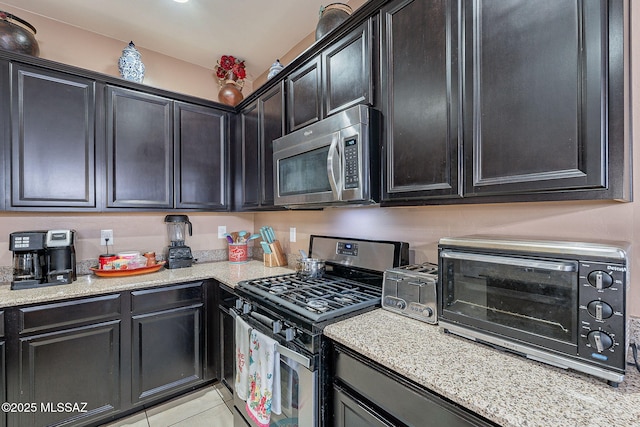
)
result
[(199, 31)]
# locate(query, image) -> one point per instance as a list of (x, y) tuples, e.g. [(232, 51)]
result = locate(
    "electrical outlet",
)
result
[(104, 235), (292, 234), (222, 230)]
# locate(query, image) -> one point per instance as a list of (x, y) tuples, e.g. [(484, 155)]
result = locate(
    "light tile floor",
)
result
[(203, 407)]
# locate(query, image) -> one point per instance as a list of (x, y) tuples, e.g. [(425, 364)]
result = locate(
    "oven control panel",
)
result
[(347, 248), (601, 313)]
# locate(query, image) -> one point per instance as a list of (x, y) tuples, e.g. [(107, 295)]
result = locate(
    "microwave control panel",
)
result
[(602, 290), (351, 163)]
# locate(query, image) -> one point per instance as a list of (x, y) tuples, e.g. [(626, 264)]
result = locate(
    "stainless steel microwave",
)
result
[(332, 162), (561, 303)]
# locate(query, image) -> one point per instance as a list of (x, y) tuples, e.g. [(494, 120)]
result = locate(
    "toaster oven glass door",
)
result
[(535, 300)]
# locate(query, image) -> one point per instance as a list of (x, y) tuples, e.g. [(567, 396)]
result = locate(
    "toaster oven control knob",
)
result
[(600, 310), (600, 340), (600, 279)]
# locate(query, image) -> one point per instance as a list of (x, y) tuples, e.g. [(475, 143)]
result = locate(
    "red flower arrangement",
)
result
[(230, 68)]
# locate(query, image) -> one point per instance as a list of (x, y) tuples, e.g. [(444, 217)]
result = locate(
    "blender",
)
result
[(178, 254)]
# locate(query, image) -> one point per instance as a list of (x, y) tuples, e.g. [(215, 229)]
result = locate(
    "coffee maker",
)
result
[(42, 258), (178, 254)]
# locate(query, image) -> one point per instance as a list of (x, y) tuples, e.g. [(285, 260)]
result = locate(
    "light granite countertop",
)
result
[(507, 389), (87, 285)]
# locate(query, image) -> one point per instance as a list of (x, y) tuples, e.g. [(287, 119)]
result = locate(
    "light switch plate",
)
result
[(292, 234), (222, 230)]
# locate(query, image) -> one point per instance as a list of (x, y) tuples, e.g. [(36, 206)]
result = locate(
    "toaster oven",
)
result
[(558, 302)]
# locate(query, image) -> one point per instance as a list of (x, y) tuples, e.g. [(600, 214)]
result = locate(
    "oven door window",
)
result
[(523, 298)]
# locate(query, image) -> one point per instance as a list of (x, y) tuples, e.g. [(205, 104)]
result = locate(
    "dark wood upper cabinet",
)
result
[(272, 125), (304, 95), (248, 159), (420, 99), (260, 123), (531, 91), (53, 139), (139, 149), (339, 77), (200, 166), (537, 95), (347, 66)]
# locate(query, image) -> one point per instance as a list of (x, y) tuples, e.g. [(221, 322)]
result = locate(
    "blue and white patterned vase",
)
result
[(130, 66), (275, 69)]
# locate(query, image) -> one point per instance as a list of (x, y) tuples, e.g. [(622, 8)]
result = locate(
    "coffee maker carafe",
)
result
[(178, 254), (42, 258), (29, 261)]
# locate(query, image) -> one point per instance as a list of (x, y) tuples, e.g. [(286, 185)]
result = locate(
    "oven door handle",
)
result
[(285, 351), (518, 262)]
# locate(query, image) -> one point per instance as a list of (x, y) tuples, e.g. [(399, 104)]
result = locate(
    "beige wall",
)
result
[(70, 45), (421, 226)]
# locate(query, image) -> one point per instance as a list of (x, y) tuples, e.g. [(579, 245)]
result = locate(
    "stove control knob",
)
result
[(601, 341), (289, 334), (428, 311), (600, 310), (600, 279), (277, 327), (246, 308), (239, 304), (401, 304)]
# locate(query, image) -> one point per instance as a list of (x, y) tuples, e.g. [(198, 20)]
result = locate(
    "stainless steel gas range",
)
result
[(294, 311)]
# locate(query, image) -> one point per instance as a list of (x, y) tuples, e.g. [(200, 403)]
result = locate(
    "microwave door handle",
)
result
[(333, 165), (519, 262)]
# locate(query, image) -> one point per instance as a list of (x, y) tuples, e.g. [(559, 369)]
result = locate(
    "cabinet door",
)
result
[(304, 95), (346, 65), (167, 339), (248, 158), (420, 99), (139, 150), (536, 95), (53, 146), (272, 125), (200, 157), (79, 367), (348, 412), (167, 352)]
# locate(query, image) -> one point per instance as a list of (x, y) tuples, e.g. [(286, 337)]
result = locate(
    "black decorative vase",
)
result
[(331, 16), (17, 35)]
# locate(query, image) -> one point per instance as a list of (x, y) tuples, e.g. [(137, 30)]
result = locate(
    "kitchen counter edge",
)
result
[(89, 285), (504, 388)]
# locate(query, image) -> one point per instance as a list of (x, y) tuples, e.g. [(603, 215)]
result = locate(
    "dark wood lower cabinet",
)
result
[(88, 361), (167, 352), (70, 376), (226, 322), (367, 394), (64, 362)]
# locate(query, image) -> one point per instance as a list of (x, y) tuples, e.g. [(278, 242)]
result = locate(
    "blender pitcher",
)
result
[(178, 255), (176, 225)]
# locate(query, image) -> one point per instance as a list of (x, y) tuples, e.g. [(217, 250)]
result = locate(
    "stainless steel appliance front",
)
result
[(328, 162), (562, 303), (298, 385)]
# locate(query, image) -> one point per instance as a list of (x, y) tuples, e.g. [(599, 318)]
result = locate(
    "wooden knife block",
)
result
[(276, 258)]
